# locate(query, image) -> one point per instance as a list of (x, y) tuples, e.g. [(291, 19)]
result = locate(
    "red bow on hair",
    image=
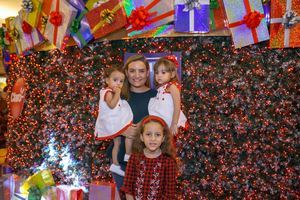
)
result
[(252, 19), (55, 18), (173, 59), (139, 18), (26, 27)]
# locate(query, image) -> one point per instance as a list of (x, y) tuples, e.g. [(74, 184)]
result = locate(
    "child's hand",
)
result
[(117, 90), (173, 129)]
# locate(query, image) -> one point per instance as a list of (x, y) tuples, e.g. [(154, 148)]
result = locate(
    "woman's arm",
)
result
[(175, 93), (112, 98)]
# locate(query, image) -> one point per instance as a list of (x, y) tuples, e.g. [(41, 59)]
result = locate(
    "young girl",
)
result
[(166, 104), (115, 115), (151, 170)]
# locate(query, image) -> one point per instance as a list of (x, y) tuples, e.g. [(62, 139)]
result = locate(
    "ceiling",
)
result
[(9, 8)]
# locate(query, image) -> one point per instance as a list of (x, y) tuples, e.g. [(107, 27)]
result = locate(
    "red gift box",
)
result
[(283, 35), (67, 192), (106, 18)]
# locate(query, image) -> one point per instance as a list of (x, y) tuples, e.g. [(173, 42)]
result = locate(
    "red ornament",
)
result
[(252, 19), (55, 18), (139, 18), (26, 27)]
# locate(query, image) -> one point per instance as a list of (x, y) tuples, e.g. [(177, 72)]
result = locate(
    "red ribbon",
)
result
[(26, 28), (55, 18), (252, 19), (8, 37)]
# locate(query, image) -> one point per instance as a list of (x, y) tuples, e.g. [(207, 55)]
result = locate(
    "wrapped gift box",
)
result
[(106, 18), (31, 16), (283, 32), (3, 153), (44, 16), (22, 42), (67, 192), (80, 29), (246, 22), (158, 13), (41, 179), (7, 185), (217, 15), (91, 4), (9, 25), (192, 18), (103, 191), (61, 15)]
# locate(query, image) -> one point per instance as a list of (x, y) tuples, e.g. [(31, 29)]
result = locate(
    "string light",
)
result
[(241, 105)]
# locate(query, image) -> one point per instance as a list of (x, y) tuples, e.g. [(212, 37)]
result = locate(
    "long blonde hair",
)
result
[(167, 147), (133, 58)]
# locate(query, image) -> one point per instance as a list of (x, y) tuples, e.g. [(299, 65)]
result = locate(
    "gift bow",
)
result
[(290, 18), (108, 16), (27, 6), (191, 4), (103, 21), (140, 17), (44, 21), (26, 27), (253, 19), (55, 18), (214, 4), (75, 26), (14, 34)]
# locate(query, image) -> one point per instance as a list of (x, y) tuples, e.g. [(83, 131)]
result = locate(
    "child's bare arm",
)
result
[(112, 98), (174, 91)]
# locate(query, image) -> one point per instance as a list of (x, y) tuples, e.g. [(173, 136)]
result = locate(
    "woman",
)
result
[(137, 71)]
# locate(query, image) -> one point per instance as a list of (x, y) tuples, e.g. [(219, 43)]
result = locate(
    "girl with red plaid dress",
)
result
[(166, 104), (151, 170)]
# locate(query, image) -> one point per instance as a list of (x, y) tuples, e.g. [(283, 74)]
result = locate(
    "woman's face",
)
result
[(137, 74)]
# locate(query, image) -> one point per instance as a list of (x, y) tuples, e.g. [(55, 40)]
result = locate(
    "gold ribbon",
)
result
[(107, 17)]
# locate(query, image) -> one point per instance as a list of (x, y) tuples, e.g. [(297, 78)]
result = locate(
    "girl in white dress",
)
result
[(115, 114), (167, 102)]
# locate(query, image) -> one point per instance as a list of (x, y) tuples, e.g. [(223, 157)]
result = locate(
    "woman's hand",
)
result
[(131, 131)]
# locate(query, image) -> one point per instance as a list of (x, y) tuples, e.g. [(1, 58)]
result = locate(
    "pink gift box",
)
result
[(68, 192), (103, 191)]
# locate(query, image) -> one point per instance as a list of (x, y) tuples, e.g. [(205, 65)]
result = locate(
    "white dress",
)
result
[(162, 106), (112, 122)]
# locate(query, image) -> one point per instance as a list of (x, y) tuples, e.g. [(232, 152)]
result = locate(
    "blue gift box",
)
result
[(193, 19)]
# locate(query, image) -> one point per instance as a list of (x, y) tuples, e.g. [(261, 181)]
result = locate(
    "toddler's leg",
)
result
[(115, 150), (115, 167), (128, 148)]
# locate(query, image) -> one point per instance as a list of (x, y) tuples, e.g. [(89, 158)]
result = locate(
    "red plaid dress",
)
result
[(150, 178)]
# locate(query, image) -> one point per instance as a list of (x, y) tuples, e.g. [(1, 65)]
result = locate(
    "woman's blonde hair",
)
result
[(108, 71), (169, 66), (133, 58), (167, 147)]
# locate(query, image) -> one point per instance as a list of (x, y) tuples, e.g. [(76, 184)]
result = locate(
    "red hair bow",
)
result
[(252, 19), (26, 28), (55, 18), (173, 59)]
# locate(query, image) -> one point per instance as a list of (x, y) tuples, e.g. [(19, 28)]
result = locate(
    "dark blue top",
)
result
[(139, 106)]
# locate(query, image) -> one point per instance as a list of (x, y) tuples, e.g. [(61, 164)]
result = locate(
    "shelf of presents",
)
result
[(49, 24)]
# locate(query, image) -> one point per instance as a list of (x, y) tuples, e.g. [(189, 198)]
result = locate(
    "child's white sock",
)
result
[(126, 157), (116, 169)]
